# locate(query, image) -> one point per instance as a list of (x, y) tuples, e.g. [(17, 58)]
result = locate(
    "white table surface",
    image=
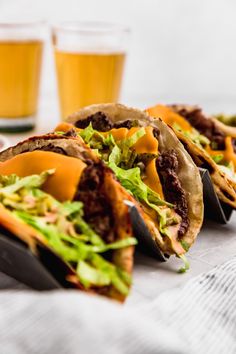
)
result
[(215, 244)]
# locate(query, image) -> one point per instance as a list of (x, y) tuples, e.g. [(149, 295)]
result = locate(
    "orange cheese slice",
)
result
[(152, 179), (147, 143), (229, 153), (118, 134), (62, 184), (169, 117), (64, 127)]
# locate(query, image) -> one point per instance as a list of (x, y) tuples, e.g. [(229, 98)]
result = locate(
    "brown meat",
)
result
[(167, 167), (99, 122), (126, 124), (97, 209), (205, 126)]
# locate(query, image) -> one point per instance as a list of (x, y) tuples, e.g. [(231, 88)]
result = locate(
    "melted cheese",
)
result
[(118, 134), (169, 117), (62, 184), (152, 179), (64, 127), (147, 144)]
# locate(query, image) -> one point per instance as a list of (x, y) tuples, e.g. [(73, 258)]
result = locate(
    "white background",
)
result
[(180, 50)]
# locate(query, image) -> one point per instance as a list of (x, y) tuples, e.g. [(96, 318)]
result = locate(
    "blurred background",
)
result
[(180, 50)]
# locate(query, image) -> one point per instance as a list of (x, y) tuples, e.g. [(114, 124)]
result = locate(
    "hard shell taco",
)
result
[(226, 122), (209, 143), (55, 192), (151, 164)]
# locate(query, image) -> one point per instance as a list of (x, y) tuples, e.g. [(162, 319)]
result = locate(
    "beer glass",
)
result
[(21, 46), (89, 59)]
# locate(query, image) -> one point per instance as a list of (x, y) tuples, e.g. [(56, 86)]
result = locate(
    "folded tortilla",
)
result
[(78, 176), (209, 143)]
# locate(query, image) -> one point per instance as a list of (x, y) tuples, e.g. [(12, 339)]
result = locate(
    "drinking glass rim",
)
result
[(25, 23), (90, 27)]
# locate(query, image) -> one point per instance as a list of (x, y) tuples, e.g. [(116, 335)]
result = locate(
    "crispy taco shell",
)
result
[(113, 196), (224, 186), (188, 173)]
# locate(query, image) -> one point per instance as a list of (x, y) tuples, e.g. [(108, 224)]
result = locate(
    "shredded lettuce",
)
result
[(90, 275), (185, 245), (28, 182), (186, 265), (87, 133), (65, 230), (132, 181), (218, 158), (227, 119), (193, 135), (93, 138), (58, 132)]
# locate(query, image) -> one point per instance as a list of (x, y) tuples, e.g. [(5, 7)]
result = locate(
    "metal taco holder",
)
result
[(146, 244), (214, 209), (46, 271)]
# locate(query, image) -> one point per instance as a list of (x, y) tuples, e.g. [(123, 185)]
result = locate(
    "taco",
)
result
[(55, 192), (152, 165), (226, 122), (208, 142)]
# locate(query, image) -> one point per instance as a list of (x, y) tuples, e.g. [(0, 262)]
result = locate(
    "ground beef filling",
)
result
[(97, 209), (167, 167), (99, 122), (70, 134), (127, 124)]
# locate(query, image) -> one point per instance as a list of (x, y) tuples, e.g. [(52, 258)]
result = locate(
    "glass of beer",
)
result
[(89, 60), (21, 46)]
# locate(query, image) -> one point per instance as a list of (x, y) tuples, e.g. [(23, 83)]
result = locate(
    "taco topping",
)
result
[(205, 126), (132, 153), (65, 230)]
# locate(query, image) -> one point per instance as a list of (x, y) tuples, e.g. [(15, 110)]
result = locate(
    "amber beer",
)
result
[(20, 64), (86, 78), (89, 58)]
